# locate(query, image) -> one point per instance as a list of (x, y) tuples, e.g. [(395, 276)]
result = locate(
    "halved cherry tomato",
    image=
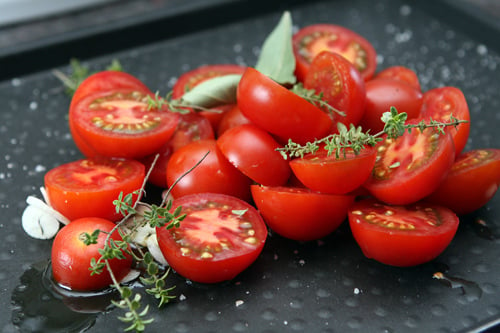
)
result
[(232, 118), (71, 257), (253, 151), (309, 41), (400, 73), (409, 168), (87, 188), (402, 235), (188, 80), (329, 174), (278, 110), (192, 127), (439, 104), (340, 84), (299, 213), (109, 116), (219, 238), (215, 174), (381, 94), (473, 180)]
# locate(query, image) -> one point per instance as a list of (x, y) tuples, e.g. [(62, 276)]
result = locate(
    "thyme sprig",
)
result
[(136, 316), (317, 99), (355, 139), (174, 105)]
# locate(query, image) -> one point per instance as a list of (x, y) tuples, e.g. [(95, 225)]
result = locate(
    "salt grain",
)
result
[(239, 303)]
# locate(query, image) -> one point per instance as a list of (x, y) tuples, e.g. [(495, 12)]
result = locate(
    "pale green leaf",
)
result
[(213, 92), (276, 59)]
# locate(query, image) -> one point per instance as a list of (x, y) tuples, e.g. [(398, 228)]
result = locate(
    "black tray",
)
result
[(324, 286)]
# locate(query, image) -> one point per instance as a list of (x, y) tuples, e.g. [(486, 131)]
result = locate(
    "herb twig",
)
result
[(356, 139), (311, 96)]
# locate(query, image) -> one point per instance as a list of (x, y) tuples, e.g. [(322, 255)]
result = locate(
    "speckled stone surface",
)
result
[(323, 286)]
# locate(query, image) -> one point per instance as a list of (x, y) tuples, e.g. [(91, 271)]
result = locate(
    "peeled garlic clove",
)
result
[(154, 249), (35, 202), (39, 224)]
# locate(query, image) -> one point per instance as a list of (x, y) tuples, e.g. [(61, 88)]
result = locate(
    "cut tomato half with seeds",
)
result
[(219, 238), (115, 120), (402, 235)]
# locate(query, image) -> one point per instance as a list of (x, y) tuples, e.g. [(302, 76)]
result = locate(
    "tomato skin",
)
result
[(309, 41), (87, 188), (299, 213), (439, 104), (473, 180), (279, 111), (341, 85), (327, 174), (215, 174), (213, 244), (424, 160), (259, 159), (381, 94), (400, 73), (232, 118), (402, 236), (112, 118), (71, 257), (192, 127)]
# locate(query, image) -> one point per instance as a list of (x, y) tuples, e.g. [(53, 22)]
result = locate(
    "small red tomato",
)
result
[(473, 180), (402, 235), (87, 188), (299, 213), (400, 73), (219, 238), (71, 256)]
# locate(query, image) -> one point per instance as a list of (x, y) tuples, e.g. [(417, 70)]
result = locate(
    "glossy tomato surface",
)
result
[(309, 41), (278, 110), (232, 118), (400, 73), (192, 127), (381, 95), (253, 151), (109, 116), (472, 182), (299, 213), (409, 168), (71, 256), (402, 235), (441, 103), (335, 175), (214, 174), (87, 188), (219, 238), (340, 84)]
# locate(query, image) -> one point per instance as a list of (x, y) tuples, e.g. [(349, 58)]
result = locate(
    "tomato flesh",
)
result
[(219, 238), (87, 188), (402, 235), (71, 257), (472, 182)]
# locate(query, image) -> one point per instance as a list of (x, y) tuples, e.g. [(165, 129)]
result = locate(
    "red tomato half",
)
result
[(253, 151), (400, 73), (308, 42), (71, 257), (439, 104), (192, 127), (328, 174), (299, 213), (113, 119), (381, 94), (409, 168), (402, 235), (219, 238), (87, 188), (473, 180), (278, 110), (215, 174), (340, 84)]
